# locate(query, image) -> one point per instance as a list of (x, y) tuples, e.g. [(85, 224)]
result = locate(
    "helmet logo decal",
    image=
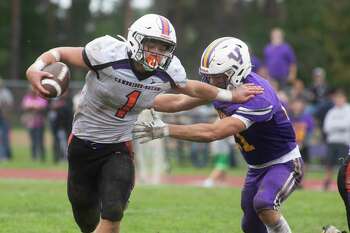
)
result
[(165, 26), (237, 56), (209, 51)]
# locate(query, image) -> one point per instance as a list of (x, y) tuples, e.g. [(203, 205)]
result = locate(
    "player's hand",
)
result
[(145, 132), (35, 78), (245, 92)]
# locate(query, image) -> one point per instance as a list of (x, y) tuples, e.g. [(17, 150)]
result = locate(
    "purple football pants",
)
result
[(267, 188)]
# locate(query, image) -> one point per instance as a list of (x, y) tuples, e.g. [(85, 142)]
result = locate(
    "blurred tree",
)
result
[(318, 30), (36, 31), (78, 19), (5, 37), (127, 15), (336, 19), (15, 38), (320, 34)]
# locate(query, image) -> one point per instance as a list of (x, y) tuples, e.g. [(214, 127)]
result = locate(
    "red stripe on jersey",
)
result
[(70, 138)]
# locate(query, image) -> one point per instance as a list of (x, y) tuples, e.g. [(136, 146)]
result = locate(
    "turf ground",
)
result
[(42, 207)]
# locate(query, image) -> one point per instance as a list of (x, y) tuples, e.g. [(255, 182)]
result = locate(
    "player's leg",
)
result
[(304, 151), (277, 184), (82, 186), (331, 161), (222, 164), (116, 183), (158, 160), (344, 187), (250, 221), (31, 132)]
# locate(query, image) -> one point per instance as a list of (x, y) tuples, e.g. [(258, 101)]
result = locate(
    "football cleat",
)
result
[(331, 229)]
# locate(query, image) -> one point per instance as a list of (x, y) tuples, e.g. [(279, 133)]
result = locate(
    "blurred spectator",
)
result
[(180, 147), (322, 109), (6, 104), (33, 118), (319, 86), (150, 156), (303, 125), (220, 149), (200, 151), (280, 59), (298, 91), (319, 90), (76, 100), (60, 118), (234, 152), (257, 66), (337, 128), (282, 95), (319, 112)]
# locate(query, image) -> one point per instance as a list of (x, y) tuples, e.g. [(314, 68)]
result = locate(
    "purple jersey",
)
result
[(278, 58), (271, 135)]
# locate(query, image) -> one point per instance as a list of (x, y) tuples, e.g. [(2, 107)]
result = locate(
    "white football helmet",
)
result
[(229, 56), (153, 27)]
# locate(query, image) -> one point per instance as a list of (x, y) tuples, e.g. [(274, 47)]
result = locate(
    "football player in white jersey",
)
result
[(124, 77)]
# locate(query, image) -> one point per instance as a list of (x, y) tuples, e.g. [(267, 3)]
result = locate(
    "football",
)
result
[(58, 84)]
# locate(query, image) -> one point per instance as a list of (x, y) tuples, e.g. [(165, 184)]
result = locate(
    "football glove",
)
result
[(147, 131)]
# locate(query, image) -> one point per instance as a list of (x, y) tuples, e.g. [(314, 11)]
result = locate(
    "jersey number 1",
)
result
[(130, 103)]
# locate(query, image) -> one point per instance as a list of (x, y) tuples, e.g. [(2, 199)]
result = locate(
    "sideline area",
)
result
[(191, 180)]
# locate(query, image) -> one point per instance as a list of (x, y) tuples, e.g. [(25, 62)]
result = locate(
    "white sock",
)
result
[(280, 227), (208, 183)]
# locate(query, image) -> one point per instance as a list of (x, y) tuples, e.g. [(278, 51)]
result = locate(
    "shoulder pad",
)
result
[(177, 72), (105, 49)]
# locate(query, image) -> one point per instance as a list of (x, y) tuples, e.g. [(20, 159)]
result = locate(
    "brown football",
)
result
[(58, 84)]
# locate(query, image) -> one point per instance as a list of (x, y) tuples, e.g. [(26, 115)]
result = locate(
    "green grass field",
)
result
[(28, 206), (42, 207)]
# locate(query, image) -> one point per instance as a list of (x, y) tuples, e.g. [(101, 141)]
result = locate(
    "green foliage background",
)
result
[(318, 29)]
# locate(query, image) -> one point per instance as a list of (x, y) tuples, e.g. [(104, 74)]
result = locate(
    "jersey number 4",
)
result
[(243, 144), (130, 103)]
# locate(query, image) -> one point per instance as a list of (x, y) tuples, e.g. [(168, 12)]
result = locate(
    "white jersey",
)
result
[(113, 95)]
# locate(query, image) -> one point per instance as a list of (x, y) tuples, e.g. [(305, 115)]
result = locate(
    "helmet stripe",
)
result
[(209, 51), (165, 26)]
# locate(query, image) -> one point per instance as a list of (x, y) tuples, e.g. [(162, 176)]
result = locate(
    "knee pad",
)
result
[(113, 211), (261, 202)]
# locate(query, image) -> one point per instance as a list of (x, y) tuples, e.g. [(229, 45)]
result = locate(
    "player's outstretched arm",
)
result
[(197, 132), (196, 93), (206, 132), (176, 102), (209, 92), (69, 55)]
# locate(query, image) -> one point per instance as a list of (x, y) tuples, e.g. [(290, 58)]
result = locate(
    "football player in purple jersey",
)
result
[(261, 128)]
